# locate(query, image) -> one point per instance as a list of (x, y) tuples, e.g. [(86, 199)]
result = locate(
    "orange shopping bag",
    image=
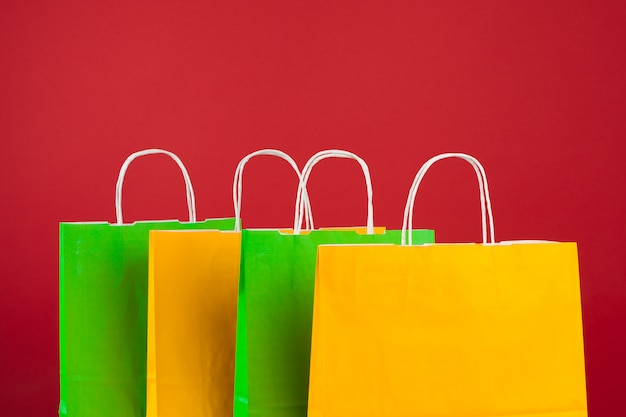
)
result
[(192, 314), (461, 330)]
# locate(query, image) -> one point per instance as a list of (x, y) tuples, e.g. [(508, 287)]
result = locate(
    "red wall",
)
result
[(534, 89)]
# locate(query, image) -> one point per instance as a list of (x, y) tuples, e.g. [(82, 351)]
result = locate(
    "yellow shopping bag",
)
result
[(192, 315), (461, 330), (193, 280)]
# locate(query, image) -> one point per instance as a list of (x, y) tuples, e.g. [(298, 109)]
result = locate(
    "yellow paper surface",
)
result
[(447, 330), (192, 310)]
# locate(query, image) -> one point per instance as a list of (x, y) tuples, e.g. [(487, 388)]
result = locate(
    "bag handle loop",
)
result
[(485, 199), (238, 185), (191, 200), (336, 153)]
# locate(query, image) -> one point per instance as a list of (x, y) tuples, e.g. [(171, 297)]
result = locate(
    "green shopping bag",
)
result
[(103, 292), (276, 304)]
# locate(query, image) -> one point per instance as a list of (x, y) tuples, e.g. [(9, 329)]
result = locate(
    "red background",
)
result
[(534, 89)]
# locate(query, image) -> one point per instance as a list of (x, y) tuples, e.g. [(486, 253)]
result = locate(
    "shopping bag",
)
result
[(192, 311), (461, 330), (276, 303), (103, 293)]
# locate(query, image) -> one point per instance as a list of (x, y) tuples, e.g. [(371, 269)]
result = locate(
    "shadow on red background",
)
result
[(535, 90)]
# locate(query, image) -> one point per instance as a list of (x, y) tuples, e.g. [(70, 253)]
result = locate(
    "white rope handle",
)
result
[(336, 153), (238, 185), (485, 199), (191, 200)]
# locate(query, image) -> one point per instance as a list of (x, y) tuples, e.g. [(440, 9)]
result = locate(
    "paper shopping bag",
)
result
[(193, 278), (480, 330), (192, 310), (103, 293), (276, 305)]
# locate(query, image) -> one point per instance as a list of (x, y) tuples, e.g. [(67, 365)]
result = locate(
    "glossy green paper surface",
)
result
[(275, 316), (103, 295)]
